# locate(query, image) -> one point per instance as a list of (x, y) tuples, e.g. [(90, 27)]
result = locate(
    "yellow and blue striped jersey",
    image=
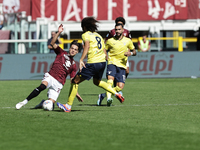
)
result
[(95, 53), (117, 48)]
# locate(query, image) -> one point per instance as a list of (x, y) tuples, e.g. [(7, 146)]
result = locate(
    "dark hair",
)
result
[(120, 19), (75, 42), (144, 33), (89, 23), (119, 24)]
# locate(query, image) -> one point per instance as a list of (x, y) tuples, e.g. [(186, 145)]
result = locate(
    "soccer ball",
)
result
[(48, 105)]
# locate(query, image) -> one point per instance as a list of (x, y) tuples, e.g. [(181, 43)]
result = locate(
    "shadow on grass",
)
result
[(66, 112), (89, 95), (92, 105), (57, 110)]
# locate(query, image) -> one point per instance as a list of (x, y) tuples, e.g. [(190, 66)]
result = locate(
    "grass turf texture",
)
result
[(158, 114)]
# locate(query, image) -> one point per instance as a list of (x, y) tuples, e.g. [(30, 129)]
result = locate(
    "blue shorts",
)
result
[(118, 73), (94, 70)]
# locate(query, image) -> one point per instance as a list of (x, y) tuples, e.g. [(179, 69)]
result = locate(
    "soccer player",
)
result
[(118, 47), (96, 62), (111, 34), (126, 33), (54, 80)]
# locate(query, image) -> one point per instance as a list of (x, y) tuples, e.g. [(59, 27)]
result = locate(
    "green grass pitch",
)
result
[(158, 114)]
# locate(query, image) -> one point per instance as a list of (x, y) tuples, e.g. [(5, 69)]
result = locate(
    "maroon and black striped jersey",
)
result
[(63, 66)]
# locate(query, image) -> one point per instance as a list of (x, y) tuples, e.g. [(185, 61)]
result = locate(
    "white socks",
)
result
[(68, 106), (25, 101)]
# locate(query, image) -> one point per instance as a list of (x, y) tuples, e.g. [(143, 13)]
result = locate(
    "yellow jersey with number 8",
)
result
[(96, 51)]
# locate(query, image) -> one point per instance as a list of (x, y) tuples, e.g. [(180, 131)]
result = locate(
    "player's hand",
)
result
[(127, 54), (79, 97), (81, 65), (60, 28)]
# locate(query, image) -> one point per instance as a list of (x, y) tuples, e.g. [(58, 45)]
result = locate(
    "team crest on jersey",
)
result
[(124, 43), (66, 57), (67, 62)]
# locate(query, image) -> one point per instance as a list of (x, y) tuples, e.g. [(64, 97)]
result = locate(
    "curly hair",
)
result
[(90, 24)]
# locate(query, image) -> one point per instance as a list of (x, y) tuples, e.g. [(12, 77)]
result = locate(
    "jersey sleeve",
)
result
[(73, 73), (85, 37), (109, 35), (130, 45), (107, 47), (129, 34), (58, 50)]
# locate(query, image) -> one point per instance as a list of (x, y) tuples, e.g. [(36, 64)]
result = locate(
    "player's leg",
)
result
[(108, 94), (120, 79), (101, 97), (110, 73), (99, 68), (127, 69), (46, 82), (108, 88), (72, 93), (116, 86), (33, 94), (55, 88)]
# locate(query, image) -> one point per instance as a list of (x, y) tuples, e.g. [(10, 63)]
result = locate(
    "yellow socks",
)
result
[(110, 82), (107, 87), (72, 93), (118, 89)]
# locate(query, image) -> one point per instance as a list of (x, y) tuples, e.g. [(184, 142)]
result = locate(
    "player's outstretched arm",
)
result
[(106, 54), (79, 97), (85, 51), (53, 41)]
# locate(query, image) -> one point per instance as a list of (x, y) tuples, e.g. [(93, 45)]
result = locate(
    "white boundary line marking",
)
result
[(187, 104), (89, 105)]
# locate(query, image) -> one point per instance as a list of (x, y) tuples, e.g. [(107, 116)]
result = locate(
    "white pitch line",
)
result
[(187, 104)]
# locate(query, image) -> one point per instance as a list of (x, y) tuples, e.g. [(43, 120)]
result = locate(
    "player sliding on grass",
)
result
[(118, 47), (63, 65), (94, 48)]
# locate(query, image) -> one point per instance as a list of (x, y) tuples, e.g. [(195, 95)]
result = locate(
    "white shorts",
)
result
[(127, 63), (54, 86)]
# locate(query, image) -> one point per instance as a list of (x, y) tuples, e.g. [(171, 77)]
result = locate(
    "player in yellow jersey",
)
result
[(118, 47), (96, 63)]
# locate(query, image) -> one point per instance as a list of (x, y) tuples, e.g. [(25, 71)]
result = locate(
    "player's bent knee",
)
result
[(121, 86), (96, 82), (77, 79)]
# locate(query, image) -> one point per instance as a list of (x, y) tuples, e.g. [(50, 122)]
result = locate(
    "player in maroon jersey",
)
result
[(111, 33), (54, 80)]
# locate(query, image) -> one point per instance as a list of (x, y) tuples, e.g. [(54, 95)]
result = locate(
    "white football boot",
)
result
[(19, 105)]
